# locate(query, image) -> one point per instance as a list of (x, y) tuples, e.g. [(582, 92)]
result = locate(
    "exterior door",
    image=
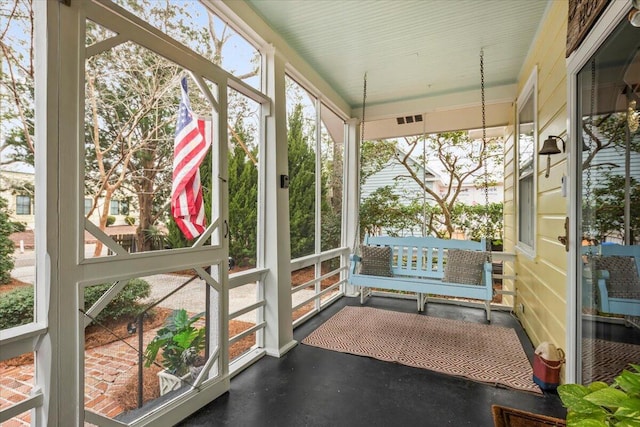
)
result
[(608, 206)]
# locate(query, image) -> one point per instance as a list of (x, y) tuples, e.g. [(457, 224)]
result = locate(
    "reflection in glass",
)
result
[(608, 90)]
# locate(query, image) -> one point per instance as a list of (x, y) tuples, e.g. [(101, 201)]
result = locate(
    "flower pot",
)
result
[(169, 382)]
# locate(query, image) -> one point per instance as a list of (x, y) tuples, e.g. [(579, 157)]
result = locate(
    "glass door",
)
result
[(609, 206)]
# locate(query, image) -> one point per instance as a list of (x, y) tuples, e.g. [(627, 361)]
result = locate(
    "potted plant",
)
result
[(181, 344), (600, 404)]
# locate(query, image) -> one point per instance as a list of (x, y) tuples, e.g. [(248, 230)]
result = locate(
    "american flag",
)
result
[(193, 139)]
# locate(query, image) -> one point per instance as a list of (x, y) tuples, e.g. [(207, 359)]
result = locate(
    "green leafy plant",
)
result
[(16, 306), (603, 405), (111, 220), (130, 220), (179, 340), (6, 244)]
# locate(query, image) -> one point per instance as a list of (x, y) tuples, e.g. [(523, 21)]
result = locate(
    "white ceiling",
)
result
[(419, 55)]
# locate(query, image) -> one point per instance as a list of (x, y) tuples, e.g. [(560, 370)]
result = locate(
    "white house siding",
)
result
[(396, 176), (541, 278)]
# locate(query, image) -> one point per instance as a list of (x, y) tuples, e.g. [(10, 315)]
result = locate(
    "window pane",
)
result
[(244, 165), (332, 150), (114, 208), (206, 33), (23, 205), (129, 145), (301, 115), (608, 102), (526, 153), (17, 174)]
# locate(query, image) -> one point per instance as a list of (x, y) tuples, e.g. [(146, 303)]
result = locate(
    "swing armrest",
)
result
[(355, 259)]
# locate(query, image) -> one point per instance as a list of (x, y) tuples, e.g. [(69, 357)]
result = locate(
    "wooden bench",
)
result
[(419, 264), (615, 269)]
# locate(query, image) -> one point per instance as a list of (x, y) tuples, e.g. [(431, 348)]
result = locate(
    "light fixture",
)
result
[(634, 14), (549, 147)]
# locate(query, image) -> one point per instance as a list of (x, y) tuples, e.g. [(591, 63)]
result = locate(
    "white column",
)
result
[(46, 288), (277, 248), (352, 192)]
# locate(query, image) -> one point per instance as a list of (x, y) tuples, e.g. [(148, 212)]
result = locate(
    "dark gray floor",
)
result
[(310, 386)]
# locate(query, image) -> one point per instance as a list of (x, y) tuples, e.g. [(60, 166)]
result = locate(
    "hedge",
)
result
[(16, 307)]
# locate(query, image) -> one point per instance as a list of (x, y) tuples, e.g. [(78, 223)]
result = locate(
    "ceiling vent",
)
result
[(409, 119)]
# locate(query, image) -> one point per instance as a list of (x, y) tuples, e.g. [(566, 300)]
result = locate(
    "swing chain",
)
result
[(587, 193), (484, 161), (356, 235)]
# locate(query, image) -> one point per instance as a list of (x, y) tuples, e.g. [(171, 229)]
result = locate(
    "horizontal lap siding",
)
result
[(541, 281)]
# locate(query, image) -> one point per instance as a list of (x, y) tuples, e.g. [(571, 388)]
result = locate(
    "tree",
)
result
[(332, 178), (302, 199), (243, 198), (455, 155), (383, 210), (17, 83), (609, 215), (6, 244)]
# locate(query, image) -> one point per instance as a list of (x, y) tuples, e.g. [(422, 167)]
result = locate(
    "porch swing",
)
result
[(426, 265)]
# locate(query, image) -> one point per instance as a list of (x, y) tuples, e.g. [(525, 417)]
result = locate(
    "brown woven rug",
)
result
[(604, 360), (490, 354)]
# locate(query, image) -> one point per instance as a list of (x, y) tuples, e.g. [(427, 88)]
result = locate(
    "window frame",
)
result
[(529, 93), (20, 205)]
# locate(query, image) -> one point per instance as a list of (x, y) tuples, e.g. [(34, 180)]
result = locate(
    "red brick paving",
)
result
[(107, 369)]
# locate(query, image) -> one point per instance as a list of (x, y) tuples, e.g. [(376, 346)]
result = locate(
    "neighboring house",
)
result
[(17, 188), (395, 175)]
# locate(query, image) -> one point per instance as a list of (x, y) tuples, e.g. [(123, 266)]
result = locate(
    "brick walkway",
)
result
[(107, 370)]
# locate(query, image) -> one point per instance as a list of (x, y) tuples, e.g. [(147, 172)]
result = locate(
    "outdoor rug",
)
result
[(485, 353), (604, 360)]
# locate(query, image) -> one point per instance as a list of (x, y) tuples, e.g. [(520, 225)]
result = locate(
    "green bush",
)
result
[(16, 307), (124, 304), (18, 227), (6, 244), (110, 220), (129, 220)]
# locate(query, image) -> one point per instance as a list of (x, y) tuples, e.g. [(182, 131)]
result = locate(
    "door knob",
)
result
[(565, 239)]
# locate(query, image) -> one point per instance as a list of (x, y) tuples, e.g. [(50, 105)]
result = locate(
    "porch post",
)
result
[(277, 248), (352, 192), (46, 289)]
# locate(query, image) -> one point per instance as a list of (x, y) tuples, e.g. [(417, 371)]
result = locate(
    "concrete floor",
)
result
[(310, 386)]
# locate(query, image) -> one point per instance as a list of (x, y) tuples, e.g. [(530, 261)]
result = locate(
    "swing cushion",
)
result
[(464, 267), (623, 279), (376, 261)]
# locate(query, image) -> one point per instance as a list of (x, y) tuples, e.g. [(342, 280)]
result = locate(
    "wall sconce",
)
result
[(549, 147), (634, 14)]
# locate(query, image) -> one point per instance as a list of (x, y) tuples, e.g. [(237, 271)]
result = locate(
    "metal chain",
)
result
[(587, 195), (356, 236), (364, 104), (484, 149)]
